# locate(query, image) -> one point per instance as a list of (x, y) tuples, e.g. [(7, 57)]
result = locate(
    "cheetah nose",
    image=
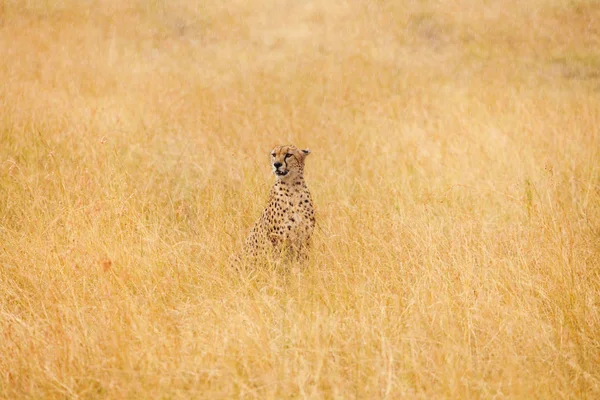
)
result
[(277, 164)]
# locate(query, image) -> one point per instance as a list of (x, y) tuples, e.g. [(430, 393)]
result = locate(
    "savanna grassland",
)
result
[(455, 169)]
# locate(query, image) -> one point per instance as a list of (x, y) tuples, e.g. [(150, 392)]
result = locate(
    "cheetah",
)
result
[(287, 223)]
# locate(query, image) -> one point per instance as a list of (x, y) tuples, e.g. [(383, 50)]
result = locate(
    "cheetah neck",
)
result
[(291, 183)]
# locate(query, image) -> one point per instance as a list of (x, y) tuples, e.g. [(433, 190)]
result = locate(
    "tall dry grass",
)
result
[(455, 167)]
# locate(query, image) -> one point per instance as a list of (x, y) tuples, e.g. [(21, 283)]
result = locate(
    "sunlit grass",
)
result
[(455, 170)]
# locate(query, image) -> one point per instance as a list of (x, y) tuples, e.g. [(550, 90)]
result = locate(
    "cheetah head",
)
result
[(288, 161)]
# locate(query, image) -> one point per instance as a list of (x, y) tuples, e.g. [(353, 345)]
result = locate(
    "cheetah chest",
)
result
[(291, 216)]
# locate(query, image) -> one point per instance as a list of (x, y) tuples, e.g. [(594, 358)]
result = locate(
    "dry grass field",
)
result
[(455, 170)]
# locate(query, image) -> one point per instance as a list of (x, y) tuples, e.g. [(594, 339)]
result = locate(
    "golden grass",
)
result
[(455, 169)]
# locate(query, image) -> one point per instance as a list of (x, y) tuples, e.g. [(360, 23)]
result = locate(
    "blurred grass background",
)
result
[(455, 170)]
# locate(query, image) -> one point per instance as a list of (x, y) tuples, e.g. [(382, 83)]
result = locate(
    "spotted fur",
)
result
[(287, 223)]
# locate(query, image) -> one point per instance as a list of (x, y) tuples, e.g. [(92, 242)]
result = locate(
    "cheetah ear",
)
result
[(306, 152)]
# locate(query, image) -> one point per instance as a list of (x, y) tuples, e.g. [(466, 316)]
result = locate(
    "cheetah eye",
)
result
[(288, 155)]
